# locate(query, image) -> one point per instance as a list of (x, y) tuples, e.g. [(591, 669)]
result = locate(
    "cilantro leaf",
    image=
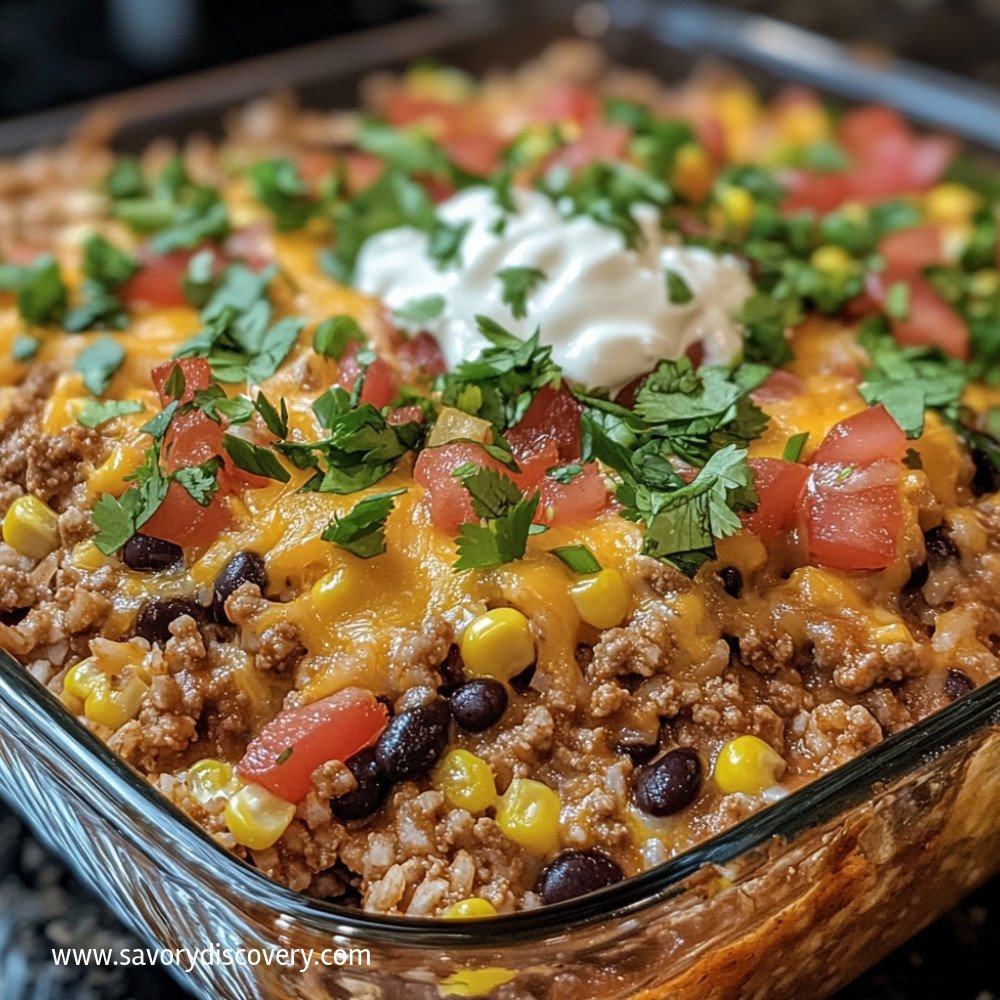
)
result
[(362, 530), (98, 363), (578, 558), (565, 474), (518, 283), (418, 311), (499, 540), (254, 458), (41, 293), (96, 412), (491, 492), (276, 421), (201, 482), (114, 520), (278, 185), (444, 243), (332, 336), (106, 264), (793, 447), (682, 525), (500, 384), (678, 291)]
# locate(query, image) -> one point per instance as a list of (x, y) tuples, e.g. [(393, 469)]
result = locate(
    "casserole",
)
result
[(632, 971)]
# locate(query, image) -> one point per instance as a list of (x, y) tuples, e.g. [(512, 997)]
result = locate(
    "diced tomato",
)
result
[(625, 396), (284, 754), (780, 486), (179, 519), (567, 102), (362, 170), (405, 415), (191, 439), (421, 355), (599, 141), (712, 135), (581, 499), (476, 154), (447, 498), (553, 416), (914, 248), (381, 382), (854, 515), (862, 439), (778, 387), (888, 160), (931, 322), (157, 283), (403, 108), (197, 374)]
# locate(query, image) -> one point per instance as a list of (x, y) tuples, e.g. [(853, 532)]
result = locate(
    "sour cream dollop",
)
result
[(603, 307)]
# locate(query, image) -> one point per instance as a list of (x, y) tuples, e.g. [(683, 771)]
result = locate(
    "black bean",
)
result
[(451, 669), (154, 618), (732, 580), (918, 577), (987, 475), (477, 704), (638, 751), (146, 552), (387, 701), (244, 567), (669, 784), (522, 681), (371, 791), (957, 684), (575, 873), (413, 742), (939, 546)]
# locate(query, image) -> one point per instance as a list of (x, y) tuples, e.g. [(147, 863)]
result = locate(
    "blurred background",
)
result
[(53, 52), (56, 51)]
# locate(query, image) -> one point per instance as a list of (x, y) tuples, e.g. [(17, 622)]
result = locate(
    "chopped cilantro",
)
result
[(678, 291), (418, 311), (41, 293), (278, 185), (199, 281), (499, 385), (106, 264), (517, 284), (410, 150), (275, 418), (96, 412), (98, 362), (578, 558), (505, 521), (254, 458), (682, 524), (201, 482), (444, 243), (362, 530), (794, 446), (117, 520), (565, 474), (333, 335)]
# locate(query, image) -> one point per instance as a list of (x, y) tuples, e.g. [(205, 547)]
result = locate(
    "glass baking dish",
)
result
[(794, 901)]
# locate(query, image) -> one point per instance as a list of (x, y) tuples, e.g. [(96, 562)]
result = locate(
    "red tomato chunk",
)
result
[(288, 749)]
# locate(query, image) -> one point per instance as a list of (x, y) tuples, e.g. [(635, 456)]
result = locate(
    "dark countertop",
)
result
[(41, 907)]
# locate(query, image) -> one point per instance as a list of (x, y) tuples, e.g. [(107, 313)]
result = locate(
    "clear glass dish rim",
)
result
[(824, 799)]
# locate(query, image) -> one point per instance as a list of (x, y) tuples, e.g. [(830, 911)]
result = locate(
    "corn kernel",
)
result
[(528, 813), (737, 206), (693, 175), (833, 260), (602, 599), (113, 707), (208, 778), (804, 123), (466, 781), (466, 909), (984, 282), (87, 556), (72, 703), (747, 764), (951, 204), (474, 982), (457, 425), (109, 476), (31, 527), (83, 678), (497, 644), (257, 818)]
